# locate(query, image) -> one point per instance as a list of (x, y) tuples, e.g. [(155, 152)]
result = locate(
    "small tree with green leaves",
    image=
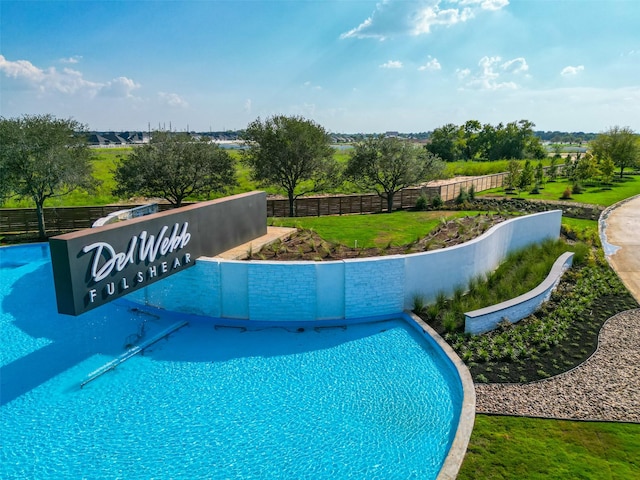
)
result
[(42, 157), (526, 176), (292, 153), (620, 144), (513, 175), (174, 166), (607, 170), (539, 175), (552, 171), (386, 165)]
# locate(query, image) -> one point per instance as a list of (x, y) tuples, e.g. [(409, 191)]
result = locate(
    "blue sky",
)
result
[(350, 65)]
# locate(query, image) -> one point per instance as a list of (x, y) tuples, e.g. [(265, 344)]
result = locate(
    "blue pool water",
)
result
[(373, 400)]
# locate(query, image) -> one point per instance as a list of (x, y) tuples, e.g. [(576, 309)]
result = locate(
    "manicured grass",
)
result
[(525, 448), (594, 194), (374, 230)]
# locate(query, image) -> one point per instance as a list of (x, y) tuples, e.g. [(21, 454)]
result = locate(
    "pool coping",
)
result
[(458, 449)]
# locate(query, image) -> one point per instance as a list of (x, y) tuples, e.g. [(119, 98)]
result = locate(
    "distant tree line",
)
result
[(42, 157), (474, 141), (565, 137)]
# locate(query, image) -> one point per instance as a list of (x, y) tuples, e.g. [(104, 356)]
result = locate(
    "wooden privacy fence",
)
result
[(59, 219), (25, 220), (372, 203)]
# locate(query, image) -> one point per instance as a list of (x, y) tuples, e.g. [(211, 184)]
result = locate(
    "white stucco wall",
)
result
[(348, 289)]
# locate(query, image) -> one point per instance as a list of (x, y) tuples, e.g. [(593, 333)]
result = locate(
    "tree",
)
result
[(443, 143), (43, 157), (526, 176), (513, 175), (468, 144), (387, 165), (620, 144), (287, 152), (553, 168), (539, 174), (607, 169), (174, 166)]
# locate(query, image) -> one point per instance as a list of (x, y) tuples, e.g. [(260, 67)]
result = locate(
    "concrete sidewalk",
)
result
[(622, 231), (241, 251)]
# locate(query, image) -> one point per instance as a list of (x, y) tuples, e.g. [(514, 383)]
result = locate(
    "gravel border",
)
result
[(604, 388)]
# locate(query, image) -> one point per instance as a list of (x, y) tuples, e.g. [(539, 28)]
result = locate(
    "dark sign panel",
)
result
[(94, 266)]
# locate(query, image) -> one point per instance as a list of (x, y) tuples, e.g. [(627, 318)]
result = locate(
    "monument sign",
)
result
[(94, 266)]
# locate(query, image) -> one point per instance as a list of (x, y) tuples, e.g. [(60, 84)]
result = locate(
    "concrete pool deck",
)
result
[(242, 251)]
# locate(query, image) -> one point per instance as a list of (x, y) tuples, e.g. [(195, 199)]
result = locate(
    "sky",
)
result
[(349, 65)]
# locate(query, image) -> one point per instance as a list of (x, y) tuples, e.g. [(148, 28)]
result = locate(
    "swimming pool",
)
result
[(371, 400)]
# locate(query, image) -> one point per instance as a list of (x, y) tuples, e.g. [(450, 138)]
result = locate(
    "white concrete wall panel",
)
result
[(282, 291), (330, 290), (373, 286), (234, 296), (356, 288)]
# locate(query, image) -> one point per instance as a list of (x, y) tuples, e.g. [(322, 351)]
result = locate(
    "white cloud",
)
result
[(247, 105), (398, 17), (312, 86), (392, 64), (432, 64), (66, 81), (119, 87), (172, 100), (431, 16), (21, 69), (489, 75), (486, 4), (74, 59), (462, 73), (570, 71), (516, 65)]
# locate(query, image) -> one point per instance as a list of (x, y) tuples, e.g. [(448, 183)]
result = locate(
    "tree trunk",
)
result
[(41, 229), (291, 204), (389, 202)]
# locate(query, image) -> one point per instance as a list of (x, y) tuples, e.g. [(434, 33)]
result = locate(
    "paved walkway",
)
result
[(622, 230), (242, 251)]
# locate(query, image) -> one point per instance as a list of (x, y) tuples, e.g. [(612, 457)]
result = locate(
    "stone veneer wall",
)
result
[(341, 290)]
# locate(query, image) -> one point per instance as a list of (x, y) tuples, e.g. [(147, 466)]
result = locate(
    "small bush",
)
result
[(450, 321), (462, 197), (576, 188), (472, 193), (422, 203), (566, 195), (436, 201), (419, 305)]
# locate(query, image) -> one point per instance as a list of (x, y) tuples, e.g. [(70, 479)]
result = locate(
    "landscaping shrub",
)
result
[(422, 202), (462, 197)]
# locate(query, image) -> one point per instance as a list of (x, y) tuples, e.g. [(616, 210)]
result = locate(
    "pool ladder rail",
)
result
[(131, 352)]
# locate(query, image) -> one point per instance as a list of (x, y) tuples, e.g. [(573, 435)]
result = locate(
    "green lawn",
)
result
[(525, 448), (595, 194), (375, 230)]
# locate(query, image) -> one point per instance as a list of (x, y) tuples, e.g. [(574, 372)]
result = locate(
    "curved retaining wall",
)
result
[(341, 290), (514, 310)]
